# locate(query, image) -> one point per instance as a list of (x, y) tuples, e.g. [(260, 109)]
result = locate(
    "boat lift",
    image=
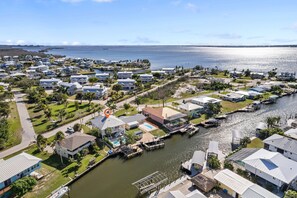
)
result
[(150, 182)]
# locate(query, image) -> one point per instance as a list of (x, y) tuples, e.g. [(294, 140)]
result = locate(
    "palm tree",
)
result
[(58, 138), (126, 107), (48, 113), (76, 104), (108, 132), (62, 113), (41, 142)]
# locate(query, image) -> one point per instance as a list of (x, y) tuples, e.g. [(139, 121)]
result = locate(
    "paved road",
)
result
[(28, 134)]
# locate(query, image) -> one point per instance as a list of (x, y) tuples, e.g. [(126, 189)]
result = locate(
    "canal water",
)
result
[(113, 178)]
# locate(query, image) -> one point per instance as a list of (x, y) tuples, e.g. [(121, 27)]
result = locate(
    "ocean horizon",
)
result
[(256, 58)]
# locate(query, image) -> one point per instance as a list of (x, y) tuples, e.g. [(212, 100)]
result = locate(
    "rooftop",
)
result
[(103, 122), (76, 140), (282, 142)]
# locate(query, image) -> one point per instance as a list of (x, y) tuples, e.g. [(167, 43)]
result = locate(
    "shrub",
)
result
[(22, 186)]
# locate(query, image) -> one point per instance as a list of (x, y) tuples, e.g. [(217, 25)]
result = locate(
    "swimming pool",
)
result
[(117, 143), (147, 127)]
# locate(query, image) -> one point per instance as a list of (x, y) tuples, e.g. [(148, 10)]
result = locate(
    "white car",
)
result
[(70, 130)]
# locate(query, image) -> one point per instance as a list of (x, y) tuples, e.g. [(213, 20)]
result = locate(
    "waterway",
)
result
[(113, 178)]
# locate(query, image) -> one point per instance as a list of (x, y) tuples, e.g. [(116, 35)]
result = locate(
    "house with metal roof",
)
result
[(98, 89), (205, 100), (73, 144), (284, 145), (81, 79), (71, 88), (234, 97), (146, 78), (127, 84), (49, 83), (124, 74), (272, 167), (237, 186), (17, 167), (133, 121), (192, 110), (103, 123), (292, 133)]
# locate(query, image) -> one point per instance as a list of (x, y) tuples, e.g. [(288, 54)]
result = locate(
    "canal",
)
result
[(113, 178)]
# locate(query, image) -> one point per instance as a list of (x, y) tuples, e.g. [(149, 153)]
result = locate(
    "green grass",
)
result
[(129, 112), (220, 75), (256, 143), (158, 133), (15, 127), (233, 106), (85, 128), (41, 124), (132, 131), (199, 120)]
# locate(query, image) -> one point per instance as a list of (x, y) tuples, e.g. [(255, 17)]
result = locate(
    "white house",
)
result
[(272, 167), (169, 70), (73, 144), (71, 88), (102, 76), (127, 84), (145, 78), (257, 75), (125, 75), (292, 133), (234, 97), (205, 100), (284, 145), (103, 123), (191, 109), (239, 187), (99, 90), (286, 76), (49, 83), (81, 79)]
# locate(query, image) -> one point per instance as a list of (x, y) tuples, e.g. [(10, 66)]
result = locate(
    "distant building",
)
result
[(257, 75), (99, 90), (286, 76), (71, 88), (192, 110), (81, 79), (17, 167), (235, 74), (102, 76), (205, 100), (73, 144), (146, 78), (234, 97), (49, 83), (127, 84), (169, 70), (281, 144), (125, 75)]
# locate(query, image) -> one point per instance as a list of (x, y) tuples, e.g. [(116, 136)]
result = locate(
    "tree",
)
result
[(79, 96), (273, 121), (41, 142), (23, 185), (77, 127), (276, 90), (228, 165), (89, 96), (213, 109), (76, 104), (59, 136), (62, 113), (93, 80), (48, 113), (213, 162), (95, 132), (4, 127), (108, 131), (9, 95), (4, 109), (126, 107), (247, 73), (245, 141), (137, 101), (117, 87), (290, 194)]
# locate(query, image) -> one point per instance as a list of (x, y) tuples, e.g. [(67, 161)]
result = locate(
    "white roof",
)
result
[(179, 194), (292, 133), (126, 80), (125, 72), (145, 75), (198, 158), (79, 76), (256, 191), (233, 181), (103, 122), (273, 164), (245, 93), (16, 165), (50, 80), (206, 99), (189, 106)]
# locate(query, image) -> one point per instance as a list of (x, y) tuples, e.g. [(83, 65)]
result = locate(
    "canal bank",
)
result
[(113, 178)]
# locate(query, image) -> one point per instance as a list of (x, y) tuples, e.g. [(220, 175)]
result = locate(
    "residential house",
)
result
[(102, 76), (17, 167), (292, 133), (49, 83), (192, 110), (257, 75), (49, 73), (234, 97), (235, 74), (213, 149), (4, 75), (237, 157), (162, 73), (284, 145), (127, 84), (71, 88), (112, 123), (146, 78), (272, 167), (73, 144), (81, 79), (205, 100), (286, 76), (173, 120), (98, 89), (125, 75), (169, 70), (133, 121), (249, 94), (239, 187)]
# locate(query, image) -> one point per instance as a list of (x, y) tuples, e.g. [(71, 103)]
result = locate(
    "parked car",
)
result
[(70, 130)]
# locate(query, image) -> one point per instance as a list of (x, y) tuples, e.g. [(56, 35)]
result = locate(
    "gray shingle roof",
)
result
[(16, 165), (285, 143), (76, 140), (242, 154), (136, 117)]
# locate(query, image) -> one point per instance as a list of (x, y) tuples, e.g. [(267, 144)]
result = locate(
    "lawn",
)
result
[(85, 128), (129, 112), (256, 143), (15, 127), (132, 131), (55, 173), (42, 124), (233, 106), (199, 120), (158, 133)]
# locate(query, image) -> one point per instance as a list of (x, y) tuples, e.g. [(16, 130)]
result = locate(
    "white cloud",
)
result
[(72, 1), (103, 1), (20, 42), (75, 43), (65, 43), (192, 7)]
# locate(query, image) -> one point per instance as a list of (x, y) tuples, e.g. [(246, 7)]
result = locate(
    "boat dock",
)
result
[(154, 144), (131, 151)]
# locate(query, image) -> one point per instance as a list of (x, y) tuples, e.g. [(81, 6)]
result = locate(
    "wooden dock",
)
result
[(154, 144)]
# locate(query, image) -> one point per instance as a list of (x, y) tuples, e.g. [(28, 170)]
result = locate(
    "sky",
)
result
[(148, 22)]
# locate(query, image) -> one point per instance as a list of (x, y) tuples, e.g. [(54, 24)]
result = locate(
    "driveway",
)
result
[(28, 133)]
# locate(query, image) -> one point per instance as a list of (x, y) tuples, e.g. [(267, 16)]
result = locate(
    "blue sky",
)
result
[(148, 22)]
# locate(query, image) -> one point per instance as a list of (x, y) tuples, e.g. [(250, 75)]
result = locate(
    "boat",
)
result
[(60, 192), (220, 117), (210, 123), (192, 131)]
